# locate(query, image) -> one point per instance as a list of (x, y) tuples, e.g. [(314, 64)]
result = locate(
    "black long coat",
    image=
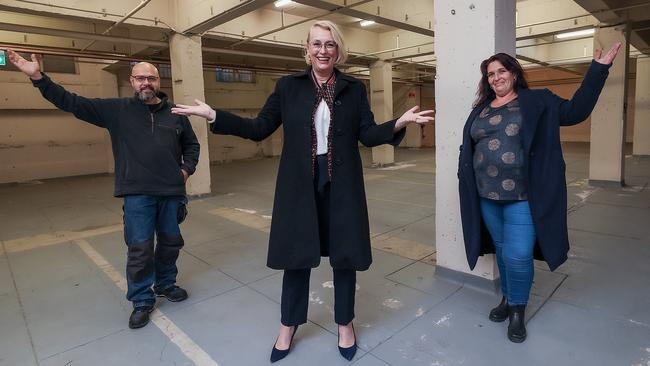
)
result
[(542, 115), (294, 240)]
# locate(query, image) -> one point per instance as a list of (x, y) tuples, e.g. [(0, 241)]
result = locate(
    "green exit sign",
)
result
[(2, 58)]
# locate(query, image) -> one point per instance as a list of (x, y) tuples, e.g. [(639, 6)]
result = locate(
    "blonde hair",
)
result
[(341, 51)]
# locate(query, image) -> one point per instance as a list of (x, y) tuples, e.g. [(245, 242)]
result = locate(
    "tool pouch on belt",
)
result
[(182, 210)]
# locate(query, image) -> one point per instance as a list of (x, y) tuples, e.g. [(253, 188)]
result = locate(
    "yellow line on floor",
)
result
[(189, 348), (242, 217), (402, 247), (400, 202), (400, 181), (103, 264), (370, 177), (42, 240)]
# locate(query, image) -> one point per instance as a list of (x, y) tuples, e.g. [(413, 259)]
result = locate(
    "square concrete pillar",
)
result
[(641, 139), (272, 145), (187, 85), (108, 89), (607, 143), (381, 104), (467, 32)]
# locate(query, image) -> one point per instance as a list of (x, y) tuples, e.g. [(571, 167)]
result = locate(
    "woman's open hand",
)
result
[(607, 58), (198, 109), (414, 116)]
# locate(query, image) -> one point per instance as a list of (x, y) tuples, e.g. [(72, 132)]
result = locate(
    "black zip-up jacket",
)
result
[(150, 148)]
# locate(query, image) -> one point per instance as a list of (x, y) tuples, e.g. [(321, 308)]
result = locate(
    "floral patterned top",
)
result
[(499, 161)]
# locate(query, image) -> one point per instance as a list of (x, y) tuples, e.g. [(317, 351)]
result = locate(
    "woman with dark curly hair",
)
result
[(511, 176)]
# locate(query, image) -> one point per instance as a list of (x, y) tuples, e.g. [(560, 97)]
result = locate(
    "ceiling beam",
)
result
[(553, 33), (298, 23), (79, 35), (640, 25), (546, 64), (226, 16), (142, 4), (420, 54), (320, 4), (227, 51)]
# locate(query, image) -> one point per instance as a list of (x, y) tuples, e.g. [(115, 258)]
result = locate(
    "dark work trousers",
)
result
[(295, 283), (144, 216)]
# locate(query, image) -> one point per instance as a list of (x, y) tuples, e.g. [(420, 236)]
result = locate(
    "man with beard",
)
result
[(155, 152)]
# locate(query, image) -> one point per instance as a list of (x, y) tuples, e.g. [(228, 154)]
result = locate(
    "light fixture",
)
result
[(282, 3), (584, 32), (365, 23)]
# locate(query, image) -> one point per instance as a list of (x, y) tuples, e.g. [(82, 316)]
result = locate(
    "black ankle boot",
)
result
[(517, 327), (500, 313)]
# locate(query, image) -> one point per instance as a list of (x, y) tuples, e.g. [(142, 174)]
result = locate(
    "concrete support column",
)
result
[(381, 103), (607, 147), (109, 89), (490, 25), (413, 137), (641, 139), (272, 146), (187, 84)]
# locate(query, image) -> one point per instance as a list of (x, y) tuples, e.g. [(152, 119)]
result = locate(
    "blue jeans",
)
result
[(145, 215), (511, 227)]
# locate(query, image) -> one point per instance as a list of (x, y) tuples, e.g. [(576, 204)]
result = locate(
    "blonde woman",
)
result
[(320, 203)]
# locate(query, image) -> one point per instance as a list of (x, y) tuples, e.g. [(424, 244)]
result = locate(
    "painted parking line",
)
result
[(397, 166), (244, 217), (404, 248), (394, 245), (175, 334), (57, 237)]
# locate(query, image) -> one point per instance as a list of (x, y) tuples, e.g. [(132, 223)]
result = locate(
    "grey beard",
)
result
[(146, 97)]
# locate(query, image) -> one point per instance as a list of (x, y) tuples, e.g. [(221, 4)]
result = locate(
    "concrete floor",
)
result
[(62, 287)]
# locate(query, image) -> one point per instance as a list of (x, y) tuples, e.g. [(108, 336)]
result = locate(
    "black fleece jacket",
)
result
[(150, 148)]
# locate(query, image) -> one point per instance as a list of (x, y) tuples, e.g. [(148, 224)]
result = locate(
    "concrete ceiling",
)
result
[(636, 13), (255, 34), (306, 11)]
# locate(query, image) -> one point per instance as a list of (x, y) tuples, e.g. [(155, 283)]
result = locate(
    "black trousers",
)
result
[(295, 296), (295, 283)]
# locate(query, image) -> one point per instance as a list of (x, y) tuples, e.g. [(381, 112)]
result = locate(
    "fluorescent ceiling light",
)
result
[(281, 3), (365, 23), (584, 32)]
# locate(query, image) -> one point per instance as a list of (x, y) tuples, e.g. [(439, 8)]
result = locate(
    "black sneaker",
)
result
[(173, 293), (140, 316)]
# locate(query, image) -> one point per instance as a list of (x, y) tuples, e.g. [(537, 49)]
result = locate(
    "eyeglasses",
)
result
[(141, 79), (329, 46)]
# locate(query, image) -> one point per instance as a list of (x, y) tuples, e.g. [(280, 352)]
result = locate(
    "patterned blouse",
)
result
[(499, 161), (324, 92)]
